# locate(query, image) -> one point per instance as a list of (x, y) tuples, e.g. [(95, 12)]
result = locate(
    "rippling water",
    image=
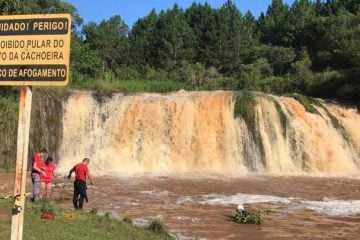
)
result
[(201, 207)]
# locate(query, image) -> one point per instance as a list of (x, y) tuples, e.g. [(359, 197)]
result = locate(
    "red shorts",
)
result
[(46, 181)]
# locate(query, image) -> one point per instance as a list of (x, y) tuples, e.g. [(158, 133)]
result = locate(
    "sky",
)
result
[(132, 10)]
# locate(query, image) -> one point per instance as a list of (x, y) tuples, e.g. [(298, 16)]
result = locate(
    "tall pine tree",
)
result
[(173, 39), (272, 23)]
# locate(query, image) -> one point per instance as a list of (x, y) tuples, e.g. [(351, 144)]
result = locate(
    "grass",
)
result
[(4, 170), (71, 225)]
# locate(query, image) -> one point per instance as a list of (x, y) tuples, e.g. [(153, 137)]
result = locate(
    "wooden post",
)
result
[(21, 160)]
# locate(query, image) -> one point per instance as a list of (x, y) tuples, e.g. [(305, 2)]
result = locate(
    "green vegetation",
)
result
[(133, 86), (8, 125), (50, 123), (245, 108), (283, 119), (71, 225), (307, 102), (309, 47), (157, 226), (46, 207), (255, 217), (128, 220), (46, 129)]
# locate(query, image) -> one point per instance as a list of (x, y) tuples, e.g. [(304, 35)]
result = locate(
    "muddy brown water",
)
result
[(201, 207)]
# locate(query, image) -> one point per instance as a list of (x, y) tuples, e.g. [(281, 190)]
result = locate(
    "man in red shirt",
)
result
[(81, 174), (37, 169)]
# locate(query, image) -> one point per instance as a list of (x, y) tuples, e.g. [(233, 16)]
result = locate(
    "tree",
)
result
[(202, 20), (84, 60), (281, 59), (234, 37), (141, 50), (301, 14), (8, 7), (353, 6), (173, 39), (333, 41), (335, 7), (109, 38), (40, 6), (272, 23), (251, 24), (301, 70)]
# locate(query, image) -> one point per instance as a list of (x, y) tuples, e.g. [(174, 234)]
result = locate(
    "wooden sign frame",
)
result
[(34, 51)]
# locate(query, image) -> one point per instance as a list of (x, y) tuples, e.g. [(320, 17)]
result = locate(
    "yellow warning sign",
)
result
[(35, 49)]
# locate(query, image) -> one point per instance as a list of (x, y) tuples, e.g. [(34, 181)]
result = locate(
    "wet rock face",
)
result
[(47, 121)]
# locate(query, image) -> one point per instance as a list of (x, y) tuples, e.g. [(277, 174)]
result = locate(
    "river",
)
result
[(199, 206)]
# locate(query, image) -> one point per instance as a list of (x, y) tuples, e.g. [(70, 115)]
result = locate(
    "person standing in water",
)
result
[(37, 169), (46, 180), (81, 174)]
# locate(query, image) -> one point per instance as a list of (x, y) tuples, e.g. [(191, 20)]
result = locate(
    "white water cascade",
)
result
[(197, 132)]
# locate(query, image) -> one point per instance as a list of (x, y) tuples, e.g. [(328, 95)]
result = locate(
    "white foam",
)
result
[(147, 192), (189, 219), (141, 222), (336, 208), (328, 207), (240, 198), (162, 193), (185, 199)]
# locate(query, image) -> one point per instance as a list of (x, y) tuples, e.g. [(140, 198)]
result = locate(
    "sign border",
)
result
[(67, 36)]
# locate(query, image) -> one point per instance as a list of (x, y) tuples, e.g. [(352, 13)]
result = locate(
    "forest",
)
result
[(309, 47)]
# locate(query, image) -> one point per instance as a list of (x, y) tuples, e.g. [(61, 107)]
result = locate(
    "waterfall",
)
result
[(199, 132)]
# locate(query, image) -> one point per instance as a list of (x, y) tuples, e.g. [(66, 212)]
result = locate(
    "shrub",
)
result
[(211, 73), (244, 217), (78, 80), (127, 219), (224, 83), (157, 226), (127, 73), (280, 59), (47, 207)]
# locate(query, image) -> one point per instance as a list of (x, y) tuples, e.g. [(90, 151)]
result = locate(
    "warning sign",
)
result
[(35, 49)]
